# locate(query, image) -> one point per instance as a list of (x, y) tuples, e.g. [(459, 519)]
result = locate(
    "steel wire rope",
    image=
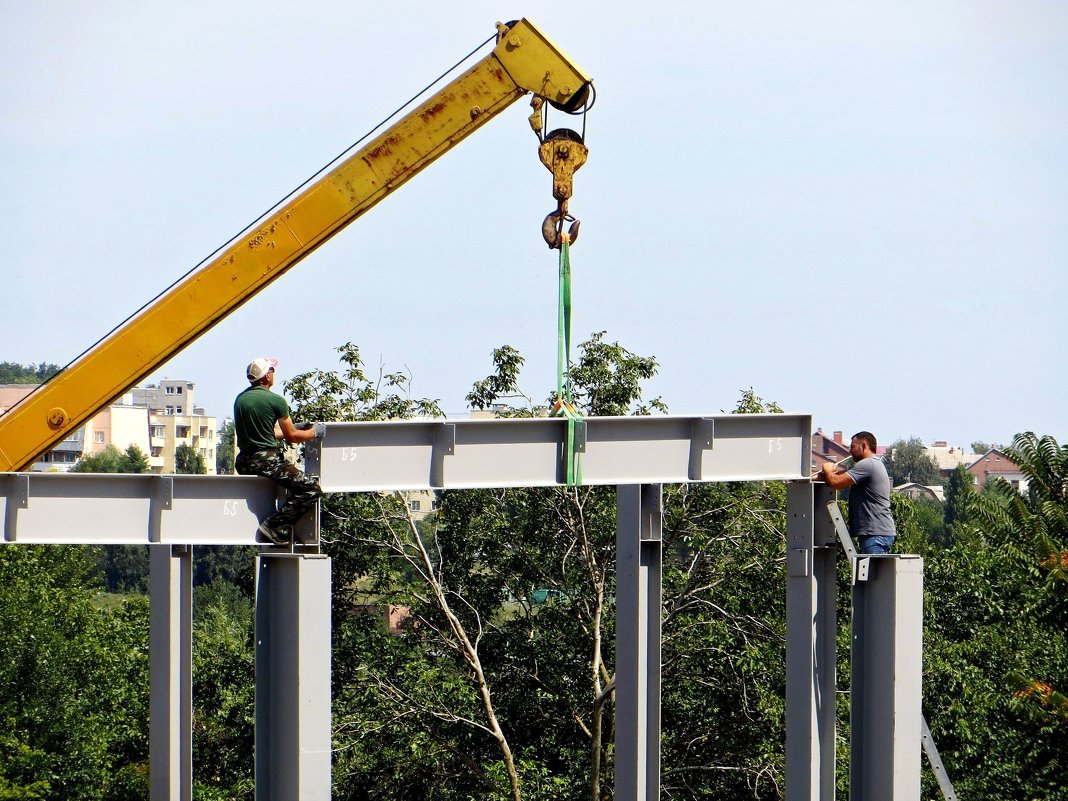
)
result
[(260, 217)]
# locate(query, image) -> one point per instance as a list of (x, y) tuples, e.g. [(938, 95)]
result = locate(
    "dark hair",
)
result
[(868, 438)]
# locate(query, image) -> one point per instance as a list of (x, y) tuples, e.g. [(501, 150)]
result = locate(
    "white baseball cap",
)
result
[(258, 368)]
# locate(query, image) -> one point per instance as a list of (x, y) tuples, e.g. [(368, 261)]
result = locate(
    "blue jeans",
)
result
[(878, 543)]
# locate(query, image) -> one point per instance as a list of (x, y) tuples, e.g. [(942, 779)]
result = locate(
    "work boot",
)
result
[(279, 536)]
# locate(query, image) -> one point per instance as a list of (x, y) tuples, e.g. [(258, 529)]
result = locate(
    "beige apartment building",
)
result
[(174, 419)]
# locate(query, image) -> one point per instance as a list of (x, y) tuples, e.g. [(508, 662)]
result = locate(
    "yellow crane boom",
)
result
[(523, 61)]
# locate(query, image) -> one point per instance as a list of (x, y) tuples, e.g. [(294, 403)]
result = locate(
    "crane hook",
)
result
[(553, 225)]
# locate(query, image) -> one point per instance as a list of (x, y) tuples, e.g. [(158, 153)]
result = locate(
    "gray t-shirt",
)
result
[(869, 499)]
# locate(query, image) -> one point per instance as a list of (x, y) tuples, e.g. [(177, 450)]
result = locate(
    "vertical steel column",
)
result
[(639, 560), (170, 734), (293, 722), (887, 656), (810, 643)]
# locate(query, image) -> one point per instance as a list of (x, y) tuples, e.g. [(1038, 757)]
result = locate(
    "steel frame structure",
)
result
[(637, 454)]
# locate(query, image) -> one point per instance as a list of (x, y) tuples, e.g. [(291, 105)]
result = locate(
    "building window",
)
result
[(182, 432), (179, 390), (157, 450), (98, 437), (414, 506), (159, 431), (204, 432), (170, 390), (170, 410), (178, 410)]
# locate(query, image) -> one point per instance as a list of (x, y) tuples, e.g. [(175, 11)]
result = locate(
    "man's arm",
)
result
[(834, 476), (292, 434)]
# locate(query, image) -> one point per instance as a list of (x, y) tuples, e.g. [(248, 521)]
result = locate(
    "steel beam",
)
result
[(170, 734), (532, 452), (126, 509), (293, 723), (810, 643), (639, 570)]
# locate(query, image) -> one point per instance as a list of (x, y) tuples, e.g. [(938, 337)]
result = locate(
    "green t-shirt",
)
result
[(256, 410)]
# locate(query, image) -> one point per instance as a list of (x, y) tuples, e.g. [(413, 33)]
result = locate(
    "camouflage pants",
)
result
[(301, 490)]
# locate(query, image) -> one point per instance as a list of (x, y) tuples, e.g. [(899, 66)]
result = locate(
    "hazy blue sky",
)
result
[(856, 208)]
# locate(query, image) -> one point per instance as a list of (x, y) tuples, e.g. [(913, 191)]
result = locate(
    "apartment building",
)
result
[(174, 419)]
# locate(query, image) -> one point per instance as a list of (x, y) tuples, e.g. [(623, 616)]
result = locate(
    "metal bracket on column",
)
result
[(929, 748), (444, 445), (702, 439), (18, 497), (860, 565), (162, 500)]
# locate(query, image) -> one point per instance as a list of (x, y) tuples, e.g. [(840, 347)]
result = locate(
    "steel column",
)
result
[(810, 644), (639, 561), (171, 672), (887, 651), (293, 723)]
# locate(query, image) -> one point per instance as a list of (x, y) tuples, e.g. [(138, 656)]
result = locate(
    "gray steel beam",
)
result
[(886, 721), (810, 643), (170, 733), (293, 722), (639, 570), (124, 509), (448, 454)]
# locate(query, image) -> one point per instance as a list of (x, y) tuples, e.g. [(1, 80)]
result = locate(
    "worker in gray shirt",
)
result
[(870, 523)]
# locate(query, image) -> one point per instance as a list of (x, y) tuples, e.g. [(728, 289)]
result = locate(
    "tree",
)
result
[(1032, 531), (73, 681), (112, 460), (187, 460), (981, 447), (958, 492), (14, 373), (908, 461), (226, 452)]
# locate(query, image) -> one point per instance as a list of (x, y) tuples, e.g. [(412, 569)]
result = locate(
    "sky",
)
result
[(857, 209)]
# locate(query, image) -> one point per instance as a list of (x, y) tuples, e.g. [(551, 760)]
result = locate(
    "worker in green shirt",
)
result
[(261, 422)]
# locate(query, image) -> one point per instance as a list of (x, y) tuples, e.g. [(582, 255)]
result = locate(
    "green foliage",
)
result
[(502, 384), (350, 394), (981, 447), (959, 488), (751, 403), (73, 682), (607, 380), (996, 648), (112, 460), (223, 692), (226, 451), (907, 462), (188, 461), (124, 567), (14, 373)]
